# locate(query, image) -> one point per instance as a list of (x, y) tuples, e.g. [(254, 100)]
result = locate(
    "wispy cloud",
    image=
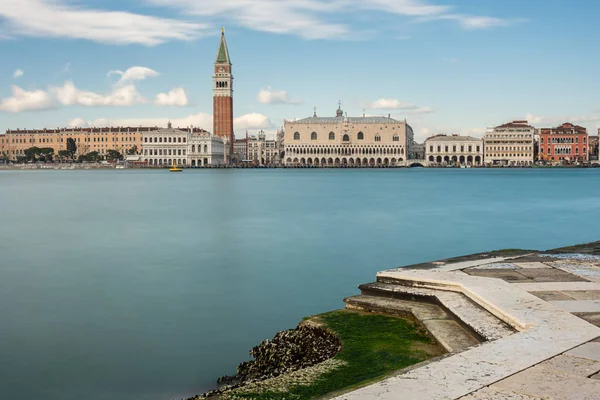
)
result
[(544, 121), (23, 100), (314, 19), (62, 18), (269, 96), (18, 73), (395, 104)]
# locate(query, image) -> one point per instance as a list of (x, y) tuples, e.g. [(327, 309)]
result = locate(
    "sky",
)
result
[(446, 66)]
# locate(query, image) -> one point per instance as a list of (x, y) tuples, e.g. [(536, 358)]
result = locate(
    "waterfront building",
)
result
[(263, 151), (223, 95), (509, 144), (342, 140), (593, 147), (454, 149), (566, 142), (185, 146), (14, 143), (416, 151), (240, 150)]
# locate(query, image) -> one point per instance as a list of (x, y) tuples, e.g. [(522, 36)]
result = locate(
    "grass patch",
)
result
[(372, 347)]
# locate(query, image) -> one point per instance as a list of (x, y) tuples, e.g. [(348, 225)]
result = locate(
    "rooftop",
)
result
[(516, 124), (453, 138)]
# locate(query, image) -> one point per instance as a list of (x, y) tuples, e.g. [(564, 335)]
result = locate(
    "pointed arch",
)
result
[(296, 135), (313, 136), (360, 136), (331, 136)]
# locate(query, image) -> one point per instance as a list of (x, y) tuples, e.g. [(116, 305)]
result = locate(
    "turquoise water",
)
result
[(148, 285)]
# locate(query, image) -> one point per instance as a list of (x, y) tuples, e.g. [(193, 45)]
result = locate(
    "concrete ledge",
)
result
[(545, 331)]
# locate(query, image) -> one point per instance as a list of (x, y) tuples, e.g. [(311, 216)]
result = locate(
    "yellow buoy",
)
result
[(175, 169)]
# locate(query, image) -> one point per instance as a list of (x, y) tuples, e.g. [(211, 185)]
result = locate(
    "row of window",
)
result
[(346, 137), (564, 150), (348, 151), (462, 149), (563, 140), (165, 152), (160, 140)]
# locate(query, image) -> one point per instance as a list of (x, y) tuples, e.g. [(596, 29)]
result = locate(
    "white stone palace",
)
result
[(342, 140), (189, 147), (454, 149), (510, 144)]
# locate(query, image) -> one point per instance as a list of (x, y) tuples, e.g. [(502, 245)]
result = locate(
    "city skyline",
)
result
[(456, 67)]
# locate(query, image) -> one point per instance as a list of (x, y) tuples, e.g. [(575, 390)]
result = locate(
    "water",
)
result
[(148, 285)]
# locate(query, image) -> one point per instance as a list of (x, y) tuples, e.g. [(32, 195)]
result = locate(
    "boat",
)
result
[(119, 166), (174, 168)]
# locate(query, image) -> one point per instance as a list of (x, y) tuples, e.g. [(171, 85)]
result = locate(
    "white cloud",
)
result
[(252, 121), (76, 122), (316, 19), (18, 73), (421, 110), (69, 94), (541, 121), (62, 18), (269, 96), (23, 100), (134, 74), (176, 97), (391, 104), (200, 120)]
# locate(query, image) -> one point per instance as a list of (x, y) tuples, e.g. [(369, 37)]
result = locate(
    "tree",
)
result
[(46, 154), (113, 155), (63, 154), (93, 156), (132, 151), (71, 147), (32, 153)]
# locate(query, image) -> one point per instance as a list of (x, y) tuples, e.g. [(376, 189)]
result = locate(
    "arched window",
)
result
[(193, 148), (360, 136), (378, 138), (206, 148), (331, 136), (313, 136), (345, 138), (296, 136), (396, 138)]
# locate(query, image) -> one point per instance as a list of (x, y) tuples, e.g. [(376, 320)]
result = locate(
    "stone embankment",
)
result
[(289, 351)]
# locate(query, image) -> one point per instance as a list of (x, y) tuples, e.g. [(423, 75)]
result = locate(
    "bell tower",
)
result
[(223, 95)]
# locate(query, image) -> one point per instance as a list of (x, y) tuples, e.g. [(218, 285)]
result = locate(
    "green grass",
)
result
[(372, 347)]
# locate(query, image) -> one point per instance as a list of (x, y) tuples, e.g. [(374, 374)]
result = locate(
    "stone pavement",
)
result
[(536, 316)]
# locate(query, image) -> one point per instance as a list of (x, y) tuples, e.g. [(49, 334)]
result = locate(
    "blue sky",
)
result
[(453, 66)]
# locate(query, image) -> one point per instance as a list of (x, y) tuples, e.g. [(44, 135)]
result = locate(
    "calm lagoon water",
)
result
[(147, 285)]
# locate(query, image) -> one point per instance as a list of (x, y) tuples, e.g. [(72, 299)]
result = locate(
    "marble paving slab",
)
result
[(589, 350), (578, 306)]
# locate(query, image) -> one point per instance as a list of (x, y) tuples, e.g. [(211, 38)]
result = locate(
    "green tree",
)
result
[(71, 147), (32, 153), (113, 155), (82, 158), (64, 154), (132, 151), (46, 154), (93, 156)]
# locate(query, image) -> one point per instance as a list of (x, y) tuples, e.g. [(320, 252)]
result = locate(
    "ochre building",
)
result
[(13, 143), (346, 141), (566, 142)]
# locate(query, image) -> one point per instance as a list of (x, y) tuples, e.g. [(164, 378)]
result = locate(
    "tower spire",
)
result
[(223, 53)]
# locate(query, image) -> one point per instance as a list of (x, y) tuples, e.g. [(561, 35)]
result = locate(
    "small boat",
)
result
[(174, 168)]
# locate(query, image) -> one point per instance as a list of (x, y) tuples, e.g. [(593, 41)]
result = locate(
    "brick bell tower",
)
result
[(223, 95)]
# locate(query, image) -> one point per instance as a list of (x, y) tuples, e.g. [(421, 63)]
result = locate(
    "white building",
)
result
[(454, 149), (346, 141), (182, 146), (510, 144)]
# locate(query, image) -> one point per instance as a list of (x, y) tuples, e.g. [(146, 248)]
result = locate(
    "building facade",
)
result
[(346, 141), (223, 95), (125, 140), (509, 144), (593, 150), (454, 149), (566, 142), (186, 147)]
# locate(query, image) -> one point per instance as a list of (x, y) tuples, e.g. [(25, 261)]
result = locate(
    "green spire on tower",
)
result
[(223, 53)]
